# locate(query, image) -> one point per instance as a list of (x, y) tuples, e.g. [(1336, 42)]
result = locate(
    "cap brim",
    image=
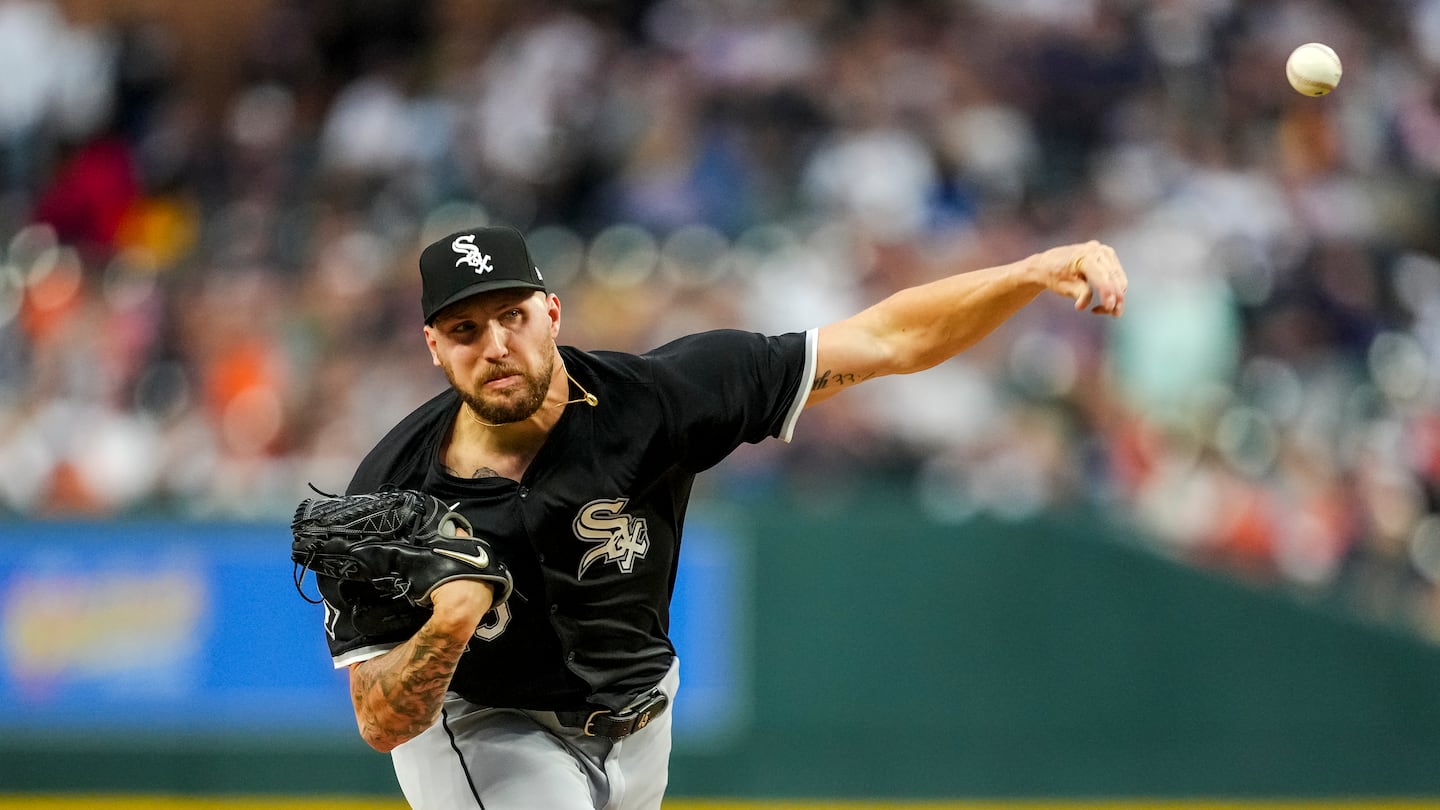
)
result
[(483, 287)]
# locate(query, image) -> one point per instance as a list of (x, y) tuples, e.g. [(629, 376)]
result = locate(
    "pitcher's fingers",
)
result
[(1076, 289), (1098, 301)]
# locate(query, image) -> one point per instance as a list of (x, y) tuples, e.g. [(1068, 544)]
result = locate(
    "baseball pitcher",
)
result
[(497, 577)]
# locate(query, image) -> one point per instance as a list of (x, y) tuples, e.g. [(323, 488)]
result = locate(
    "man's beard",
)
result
[(514, 406)]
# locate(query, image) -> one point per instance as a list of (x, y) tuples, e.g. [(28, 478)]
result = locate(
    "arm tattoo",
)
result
[(399, 694), (829, 378)]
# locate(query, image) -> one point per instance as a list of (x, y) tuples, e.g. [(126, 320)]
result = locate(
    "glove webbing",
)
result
[(298, 574)]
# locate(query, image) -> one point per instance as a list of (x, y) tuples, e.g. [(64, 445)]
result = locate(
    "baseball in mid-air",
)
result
[(1313, 69)]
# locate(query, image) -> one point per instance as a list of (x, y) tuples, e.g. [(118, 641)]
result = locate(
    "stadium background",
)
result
[(1190, 553)]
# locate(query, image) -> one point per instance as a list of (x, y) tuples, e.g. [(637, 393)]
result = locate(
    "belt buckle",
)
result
[(590, 722)]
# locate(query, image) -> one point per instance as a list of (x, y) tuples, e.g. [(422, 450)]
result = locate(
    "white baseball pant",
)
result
[(512, 759)]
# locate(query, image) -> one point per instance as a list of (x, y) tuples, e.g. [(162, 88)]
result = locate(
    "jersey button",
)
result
[(570, 656), (524, 492), (554, 609)]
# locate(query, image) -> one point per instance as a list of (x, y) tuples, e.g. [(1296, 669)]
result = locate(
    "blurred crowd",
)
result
[(208, 293)]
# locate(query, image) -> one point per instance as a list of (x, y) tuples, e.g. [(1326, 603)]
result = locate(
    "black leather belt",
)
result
[(618, 724)]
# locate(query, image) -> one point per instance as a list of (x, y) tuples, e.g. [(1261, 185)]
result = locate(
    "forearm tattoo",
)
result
[(399, 694), (829, 378)]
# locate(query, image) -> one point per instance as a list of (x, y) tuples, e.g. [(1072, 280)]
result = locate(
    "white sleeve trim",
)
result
[(802, 394), (345, 659)]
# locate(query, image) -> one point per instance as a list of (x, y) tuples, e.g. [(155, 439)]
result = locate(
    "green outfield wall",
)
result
[(881, 655)]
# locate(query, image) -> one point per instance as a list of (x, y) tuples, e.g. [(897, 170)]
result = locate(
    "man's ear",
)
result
[(430, 344), (552, 307)]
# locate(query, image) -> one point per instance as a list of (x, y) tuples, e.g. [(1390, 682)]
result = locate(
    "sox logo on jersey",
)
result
[(621, 539)]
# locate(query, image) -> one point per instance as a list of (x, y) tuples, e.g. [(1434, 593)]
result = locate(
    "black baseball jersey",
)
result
[(592, 531)]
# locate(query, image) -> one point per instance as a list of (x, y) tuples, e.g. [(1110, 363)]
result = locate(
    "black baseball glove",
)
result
[(403, 542)]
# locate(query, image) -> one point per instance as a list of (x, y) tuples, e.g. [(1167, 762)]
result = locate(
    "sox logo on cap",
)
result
[(470, 255)]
